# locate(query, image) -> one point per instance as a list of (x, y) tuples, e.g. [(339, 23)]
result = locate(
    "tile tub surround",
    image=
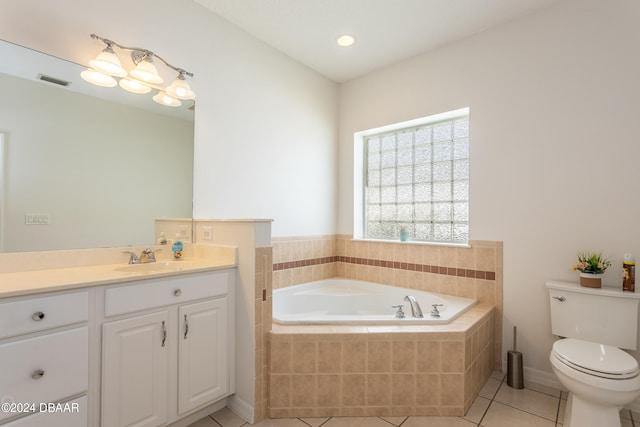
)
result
[(471, 272), (320, 371), (263, 314)]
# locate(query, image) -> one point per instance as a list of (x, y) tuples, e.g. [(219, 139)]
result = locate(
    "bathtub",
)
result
[(354, 302)]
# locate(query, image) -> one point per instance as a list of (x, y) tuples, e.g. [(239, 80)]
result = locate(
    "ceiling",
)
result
[(386, 31)]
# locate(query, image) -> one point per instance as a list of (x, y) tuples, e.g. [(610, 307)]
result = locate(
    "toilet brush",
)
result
[(515, 378)]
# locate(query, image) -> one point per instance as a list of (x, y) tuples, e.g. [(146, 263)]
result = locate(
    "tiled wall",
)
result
[(472, 272), (325, 372), (263, 306), (334, 371), (303, 259)]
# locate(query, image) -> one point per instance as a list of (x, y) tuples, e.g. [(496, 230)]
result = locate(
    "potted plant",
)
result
[(591, 266)]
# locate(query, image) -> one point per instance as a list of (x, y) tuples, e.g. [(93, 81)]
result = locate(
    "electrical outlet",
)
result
[(36, 219), (184, 231), (206, 233)]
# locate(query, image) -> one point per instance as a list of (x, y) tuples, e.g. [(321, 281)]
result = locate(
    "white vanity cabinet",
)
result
[(44, 360), (166, 351)]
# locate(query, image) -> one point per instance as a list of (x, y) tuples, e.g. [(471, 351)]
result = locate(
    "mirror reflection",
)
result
[(80, 170)]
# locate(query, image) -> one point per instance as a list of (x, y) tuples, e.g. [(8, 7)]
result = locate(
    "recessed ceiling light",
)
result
[(345, 40)]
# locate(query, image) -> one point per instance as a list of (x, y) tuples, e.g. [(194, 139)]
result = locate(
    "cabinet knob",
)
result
[(37, 374), (177, 292), (38, 316)]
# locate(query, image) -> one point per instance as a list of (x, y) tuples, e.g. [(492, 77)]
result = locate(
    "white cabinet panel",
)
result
[(45, 369), (38, 314), (135, 371), (202, 368), (161, 292)]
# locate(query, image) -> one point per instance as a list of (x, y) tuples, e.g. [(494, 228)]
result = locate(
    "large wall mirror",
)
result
[(84, 166)]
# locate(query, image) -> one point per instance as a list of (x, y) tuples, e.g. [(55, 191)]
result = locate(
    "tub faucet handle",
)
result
[(399, 313), (434, 310)]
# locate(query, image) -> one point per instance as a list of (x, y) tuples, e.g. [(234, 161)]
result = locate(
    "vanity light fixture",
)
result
[(143, 78)]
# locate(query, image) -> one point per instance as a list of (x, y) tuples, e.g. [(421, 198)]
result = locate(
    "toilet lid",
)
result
[(596, 359)]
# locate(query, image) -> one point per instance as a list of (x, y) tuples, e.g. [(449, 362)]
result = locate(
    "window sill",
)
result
[(413, 242)]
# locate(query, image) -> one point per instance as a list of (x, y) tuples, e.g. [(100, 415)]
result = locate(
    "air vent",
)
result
[(53, 80)]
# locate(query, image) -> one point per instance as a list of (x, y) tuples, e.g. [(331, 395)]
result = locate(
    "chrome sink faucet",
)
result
[(147, 255), (416, 311)]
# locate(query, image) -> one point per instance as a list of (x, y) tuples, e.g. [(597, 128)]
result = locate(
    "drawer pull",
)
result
[(164, 333), (177, 292), (38, 316), (186, 326), (37, 374)]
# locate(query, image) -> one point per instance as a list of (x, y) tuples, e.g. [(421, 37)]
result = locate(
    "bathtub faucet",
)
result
[(416, 311)]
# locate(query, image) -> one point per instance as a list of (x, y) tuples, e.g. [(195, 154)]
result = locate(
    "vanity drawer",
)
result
[(38, 314), (161, 292), (45, 369), (73, 414)]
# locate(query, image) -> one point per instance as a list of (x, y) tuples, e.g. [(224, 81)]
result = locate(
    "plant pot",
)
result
[(590, 280)]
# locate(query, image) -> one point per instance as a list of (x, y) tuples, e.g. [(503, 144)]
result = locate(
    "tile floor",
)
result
[(497, 405)]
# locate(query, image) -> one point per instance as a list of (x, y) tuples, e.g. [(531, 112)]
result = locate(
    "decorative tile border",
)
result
[(449, 271), (304, 263)]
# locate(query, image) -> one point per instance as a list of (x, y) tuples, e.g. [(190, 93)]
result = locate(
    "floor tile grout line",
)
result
[(527, 412), (390, 423), (558, 410), (324, 422), (491, 401), (216, 421), (304, 422)]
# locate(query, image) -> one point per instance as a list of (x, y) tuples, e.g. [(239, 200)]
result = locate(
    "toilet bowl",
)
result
[(600, 378)]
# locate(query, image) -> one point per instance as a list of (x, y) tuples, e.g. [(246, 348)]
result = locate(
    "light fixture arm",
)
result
[(139, 54)]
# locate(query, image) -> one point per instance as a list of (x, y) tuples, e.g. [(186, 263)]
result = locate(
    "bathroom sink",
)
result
[(156, 267)]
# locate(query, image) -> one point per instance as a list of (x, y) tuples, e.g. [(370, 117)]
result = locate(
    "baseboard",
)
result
[(536, 376), (549, 379), (240, 408), (545, 378)]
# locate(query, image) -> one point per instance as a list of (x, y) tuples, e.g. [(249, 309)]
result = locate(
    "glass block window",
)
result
[(417, 178)]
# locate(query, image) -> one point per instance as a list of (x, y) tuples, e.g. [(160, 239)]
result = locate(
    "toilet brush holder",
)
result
[(515, 377)]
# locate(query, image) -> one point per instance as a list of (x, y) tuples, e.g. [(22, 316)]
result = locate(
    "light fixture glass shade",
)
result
[(98, 78), (164, 99), (345, 40), (108, 63), (134, 86), (147, 72), (180, 89)]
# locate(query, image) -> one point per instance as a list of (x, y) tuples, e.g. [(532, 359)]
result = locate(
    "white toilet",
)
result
[(601, 378)]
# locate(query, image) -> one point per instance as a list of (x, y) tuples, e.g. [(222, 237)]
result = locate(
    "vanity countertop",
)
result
[(58, 279)]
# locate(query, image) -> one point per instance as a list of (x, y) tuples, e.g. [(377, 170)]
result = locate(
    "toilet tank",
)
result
[(602, 315)]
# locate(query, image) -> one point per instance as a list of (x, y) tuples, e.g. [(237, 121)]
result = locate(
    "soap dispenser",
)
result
[(177, 247), (162, 240)]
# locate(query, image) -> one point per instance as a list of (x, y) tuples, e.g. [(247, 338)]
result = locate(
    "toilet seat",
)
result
[(595, 359)]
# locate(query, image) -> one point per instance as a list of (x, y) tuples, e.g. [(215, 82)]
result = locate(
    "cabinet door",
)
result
[(135, 371), (202, 369)]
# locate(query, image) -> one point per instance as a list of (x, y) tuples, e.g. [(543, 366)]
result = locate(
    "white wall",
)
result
[(555, 145), (265, 126)]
